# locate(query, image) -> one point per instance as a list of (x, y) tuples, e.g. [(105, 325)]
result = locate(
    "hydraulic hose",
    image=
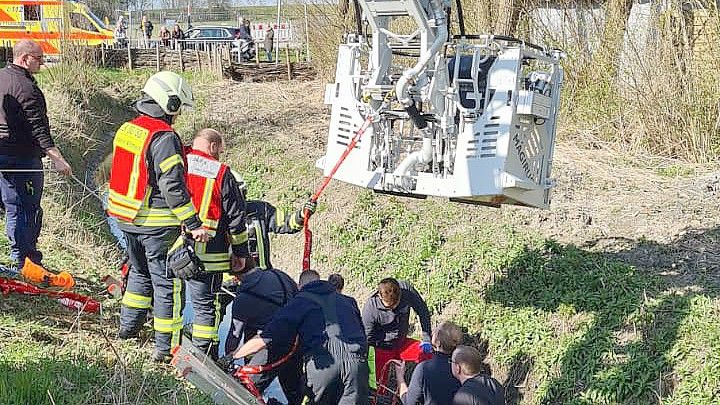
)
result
[(424, 155)]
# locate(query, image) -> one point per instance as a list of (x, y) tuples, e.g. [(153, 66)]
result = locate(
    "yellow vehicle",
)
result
[(49, 22)]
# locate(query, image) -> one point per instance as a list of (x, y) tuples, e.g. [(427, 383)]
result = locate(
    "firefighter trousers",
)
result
[(150, 285), (203, 292)]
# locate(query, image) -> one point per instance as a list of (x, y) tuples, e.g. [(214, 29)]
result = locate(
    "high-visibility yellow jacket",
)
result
[(147, 178)]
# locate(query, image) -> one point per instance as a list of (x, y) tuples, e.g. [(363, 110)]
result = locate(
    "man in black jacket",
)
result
[(386, 317), (260, 294), (478, 387), (332, 341), (24, 139), (432, 382)]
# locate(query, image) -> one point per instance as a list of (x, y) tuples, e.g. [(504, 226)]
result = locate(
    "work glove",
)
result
[(426, 346), (182, 261), (227, 363), (309, 208)]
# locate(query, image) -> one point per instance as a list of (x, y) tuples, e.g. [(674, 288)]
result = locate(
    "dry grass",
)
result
[(653, 92)]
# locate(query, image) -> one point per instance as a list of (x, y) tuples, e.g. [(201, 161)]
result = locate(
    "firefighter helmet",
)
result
[(170, 91)]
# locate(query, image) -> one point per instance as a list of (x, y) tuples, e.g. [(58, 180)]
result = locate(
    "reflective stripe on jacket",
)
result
[(204, 180), (129, 174)]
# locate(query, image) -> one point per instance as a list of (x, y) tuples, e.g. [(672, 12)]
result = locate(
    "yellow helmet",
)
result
[(170, 91)]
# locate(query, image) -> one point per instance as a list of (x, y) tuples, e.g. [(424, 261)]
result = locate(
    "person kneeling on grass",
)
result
[(386, 317)]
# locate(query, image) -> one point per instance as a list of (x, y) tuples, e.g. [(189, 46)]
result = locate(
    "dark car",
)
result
[(210, 33)]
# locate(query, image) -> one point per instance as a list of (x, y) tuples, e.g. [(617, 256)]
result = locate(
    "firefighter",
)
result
[(149, 197), (216, 196), (264, 218), (332, 341), (386, 316)]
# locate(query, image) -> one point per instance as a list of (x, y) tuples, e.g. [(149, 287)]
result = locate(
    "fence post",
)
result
[(257, 56), (287, 60), (102, 54), (157, 58), (199, 62), (297, 55), (182, 66), (207, 53), (218, 58), (129, 57)]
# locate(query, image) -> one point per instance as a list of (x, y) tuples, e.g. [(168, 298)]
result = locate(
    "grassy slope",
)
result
[(49, 354), (562, 323)]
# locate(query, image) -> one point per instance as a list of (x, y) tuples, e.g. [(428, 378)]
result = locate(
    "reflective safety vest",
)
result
[(129, 173), (204, 179)]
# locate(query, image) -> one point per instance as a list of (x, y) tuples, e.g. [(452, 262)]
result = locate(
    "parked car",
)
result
[(240, 49), (210, 33)]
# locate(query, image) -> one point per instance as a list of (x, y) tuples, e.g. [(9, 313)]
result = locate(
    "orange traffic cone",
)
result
[(38, 274)]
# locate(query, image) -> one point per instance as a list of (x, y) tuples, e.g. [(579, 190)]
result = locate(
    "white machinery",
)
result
[(469, 117)]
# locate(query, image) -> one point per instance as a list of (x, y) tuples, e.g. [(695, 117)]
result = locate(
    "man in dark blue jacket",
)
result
[(260, 294), (432, 382), (332, 341)]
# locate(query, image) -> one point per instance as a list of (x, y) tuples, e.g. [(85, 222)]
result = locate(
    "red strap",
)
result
[(86, 304), (243, 373), (306, 228)]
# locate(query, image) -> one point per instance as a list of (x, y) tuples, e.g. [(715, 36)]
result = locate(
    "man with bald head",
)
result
[(24, 139), (217, 198)]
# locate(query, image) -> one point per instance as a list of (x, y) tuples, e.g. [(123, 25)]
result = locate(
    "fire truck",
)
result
[(49, 22)]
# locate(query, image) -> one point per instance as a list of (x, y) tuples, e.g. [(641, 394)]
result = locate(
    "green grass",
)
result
[(561, 324), (595, 330)]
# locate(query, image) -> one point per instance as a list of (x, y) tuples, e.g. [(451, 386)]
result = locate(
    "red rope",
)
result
[(306, 228), (244, 373)]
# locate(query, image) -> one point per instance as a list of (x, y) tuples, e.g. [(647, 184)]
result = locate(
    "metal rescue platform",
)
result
[(469, 117)]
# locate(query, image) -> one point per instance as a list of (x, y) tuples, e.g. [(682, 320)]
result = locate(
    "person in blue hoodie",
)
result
[(260, 294), (332, 341)]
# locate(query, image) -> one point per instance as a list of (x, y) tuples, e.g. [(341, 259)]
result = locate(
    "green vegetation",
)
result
[(560, 323)]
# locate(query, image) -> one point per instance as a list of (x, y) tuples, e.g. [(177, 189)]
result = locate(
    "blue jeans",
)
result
[(21, 193), (269, 55)]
